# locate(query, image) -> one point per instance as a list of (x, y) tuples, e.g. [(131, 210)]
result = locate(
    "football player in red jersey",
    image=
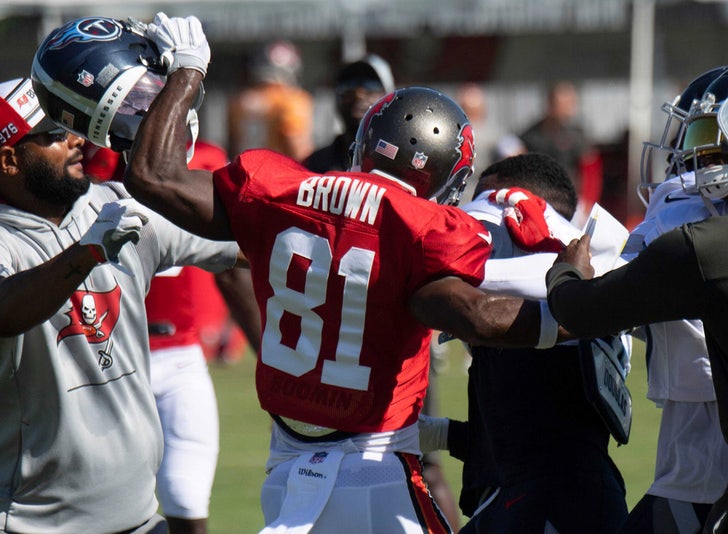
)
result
[(351, 270)]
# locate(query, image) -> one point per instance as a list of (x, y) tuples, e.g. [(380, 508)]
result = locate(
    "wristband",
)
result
[(549, 328), (96, 253)]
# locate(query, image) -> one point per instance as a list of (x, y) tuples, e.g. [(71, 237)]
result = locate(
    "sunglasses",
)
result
[(57, 135)]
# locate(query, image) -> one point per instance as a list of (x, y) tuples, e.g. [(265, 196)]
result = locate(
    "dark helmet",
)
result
[(420, 136), (372, 68), (96, 77), (673, 135), (703, 146), (696, 88)]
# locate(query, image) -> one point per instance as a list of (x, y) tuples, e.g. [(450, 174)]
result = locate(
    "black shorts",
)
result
[(586, 502)]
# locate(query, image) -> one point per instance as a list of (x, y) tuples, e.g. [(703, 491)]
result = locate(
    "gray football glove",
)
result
[(181, 42), (433, 433), (116, 225)]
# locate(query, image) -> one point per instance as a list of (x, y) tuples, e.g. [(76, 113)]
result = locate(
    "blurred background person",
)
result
[(358, 85), (273, 111), (473, 100), (558, 135)]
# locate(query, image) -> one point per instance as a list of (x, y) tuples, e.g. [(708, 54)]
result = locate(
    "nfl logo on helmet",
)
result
[(419, 160)]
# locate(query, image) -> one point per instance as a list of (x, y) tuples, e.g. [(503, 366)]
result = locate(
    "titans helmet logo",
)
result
[(85, 30)]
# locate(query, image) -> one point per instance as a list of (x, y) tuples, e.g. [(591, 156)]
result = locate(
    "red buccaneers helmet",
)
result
[(420, 136)]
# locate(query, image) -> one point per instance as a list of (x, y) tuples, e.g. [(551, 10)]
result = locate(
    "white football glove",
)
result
[(181, 42), (433, 433), (116, 225)]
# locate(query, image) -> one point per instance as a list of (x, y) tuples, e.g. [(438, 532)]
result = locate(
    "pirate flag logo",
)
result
[(94, 315)]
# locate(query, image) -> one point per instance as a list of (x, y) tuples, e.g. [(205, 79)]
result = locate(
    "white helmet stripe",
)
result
[(109, 104)]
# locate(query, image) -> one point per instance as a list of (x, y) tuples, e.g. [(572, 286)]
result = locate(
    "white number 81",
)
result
[(355, 266)]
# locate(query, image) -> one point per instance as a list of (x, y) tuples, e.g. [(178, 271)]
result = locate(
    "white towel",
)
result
[(310, 483)]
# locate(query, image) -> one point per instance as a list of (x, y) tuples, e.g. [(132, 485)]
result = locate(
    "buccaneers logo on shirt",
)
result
[(92, 314)]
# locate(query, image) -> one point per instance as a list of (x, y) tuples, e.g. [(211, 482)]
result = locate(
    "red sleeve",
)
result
[(208, 157), (455, 244)]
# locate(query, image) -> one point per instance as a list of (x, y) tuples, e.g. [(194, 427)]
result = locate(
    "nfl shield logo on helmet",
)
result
[(85, 78), (419, 160)]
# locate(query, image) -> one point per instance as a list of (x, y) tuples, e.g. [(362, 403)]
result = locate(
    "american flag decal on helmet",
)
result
[(386, 149)]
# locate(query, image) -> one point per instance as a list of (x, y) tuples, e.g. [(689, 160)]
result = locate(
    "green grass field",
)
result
[(244, 428)]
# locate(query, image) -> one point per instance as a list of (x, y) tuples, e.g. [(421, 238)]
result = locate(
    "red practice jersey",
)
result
[(334, 261), (171, 310)]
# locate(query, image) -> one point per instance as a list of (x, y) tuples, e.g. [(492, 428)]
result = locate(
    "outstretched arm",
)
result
[(480, 317), (157, 173), (236, 287), (49, 285), (663, 283)]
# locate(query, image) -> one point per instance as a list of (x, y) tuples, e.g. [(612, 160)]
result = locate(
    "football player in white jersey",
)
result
[(691, 469), (535, 457)]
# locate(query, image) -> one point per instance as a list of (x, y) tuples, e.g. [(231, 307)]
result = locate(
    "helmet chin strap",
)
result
[(711, 183), (193, 127), (709, 206)]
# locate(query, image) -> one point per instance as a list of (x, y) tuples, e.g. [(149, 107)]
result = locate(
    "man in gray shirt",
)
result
[(80, 439)]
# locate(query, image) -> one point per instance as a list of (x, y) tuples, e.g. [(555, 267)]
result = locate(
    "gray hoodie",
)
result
[(80, 439)]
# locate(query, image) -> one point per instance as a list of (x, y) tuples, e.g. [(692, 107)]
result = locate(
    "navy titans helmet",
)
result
[(96, 77)]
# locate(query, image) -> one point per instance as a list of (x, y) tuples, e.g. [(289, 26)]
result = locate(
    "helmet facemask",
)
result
[(664, 159), (704, 149), (659, 159)]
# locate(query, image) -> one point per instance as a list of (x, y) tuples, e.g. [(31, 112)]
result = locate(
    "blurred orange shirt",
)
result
[(274, 116)]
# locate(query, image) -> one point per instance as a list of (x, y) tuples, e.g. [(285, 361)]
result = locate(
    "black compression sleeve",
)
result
[(662, 283)]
